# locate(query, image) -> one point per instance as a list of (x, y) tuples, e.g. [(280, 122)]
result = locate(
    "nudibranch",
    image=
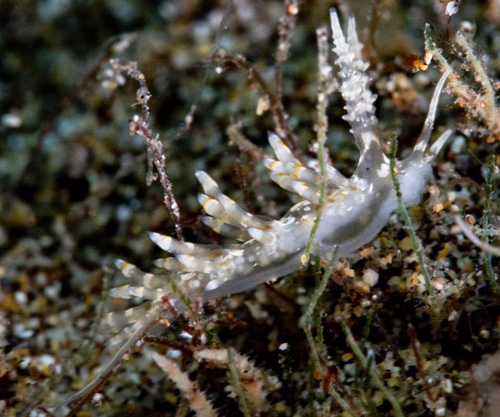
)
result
[(354, 211)]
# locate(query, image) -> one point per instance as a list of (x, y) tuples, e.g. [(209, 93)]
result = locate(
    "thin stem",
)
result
[(370, 369), (417, 244), (308, 320), (482, 77), (285, 29), (235, 379), (322, 129), (82, 396), (308, 316), (368, 325), (493, 250), (415, 343), (156, 159), (430, 45), (485, 224), (322, 285)]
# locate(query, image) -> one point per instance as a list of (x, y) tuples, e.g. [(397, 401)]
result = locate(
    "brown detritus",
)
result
[(285, 30), (276, 105), (415, 344), (252, 379), (163, 341), (190, 390), (233, 131), (242, 179), (141, 125), (331, 376), (470, 84)]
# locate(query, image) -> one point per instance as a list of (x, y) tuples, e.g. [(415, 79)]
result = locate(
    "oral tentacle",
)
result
[(424, 137)]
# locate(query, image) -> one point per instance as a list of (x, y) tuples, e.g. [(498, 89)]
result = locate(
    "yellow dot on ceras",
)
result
[(346, 357), (304, 259), (207, 199)]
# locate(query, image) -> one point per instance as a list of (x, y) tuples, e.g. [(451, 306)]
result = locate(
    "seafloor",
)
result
[(74, 198)]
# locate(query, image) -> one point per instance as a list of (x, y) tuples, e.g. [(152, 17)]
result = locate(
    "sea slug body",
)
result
[(355, 208), (355, 211)]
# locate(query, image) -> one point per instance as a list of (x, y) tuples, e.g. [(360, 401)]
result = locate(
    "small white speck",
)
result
[(21, 332), (440, 411), (47, 360), (11, 120), (383, 171), (123, 213), (173, 354), (24, 362), (326, 70), (97, 398), (212, 285), (451, 9), (194, 284), (370, 277), (21, 298), (186, 336)]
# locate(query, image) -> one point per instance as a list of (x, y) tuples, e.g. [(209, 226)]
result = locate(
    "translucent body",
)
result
[(354, 211)]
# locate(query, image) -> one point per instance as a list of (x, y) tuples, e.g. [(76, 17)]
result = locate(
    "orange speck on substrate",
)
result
[(292, 9)]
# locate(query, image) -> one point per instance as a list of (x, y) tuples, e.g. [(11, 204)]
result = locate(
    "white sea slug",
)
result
[(355, 211)]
